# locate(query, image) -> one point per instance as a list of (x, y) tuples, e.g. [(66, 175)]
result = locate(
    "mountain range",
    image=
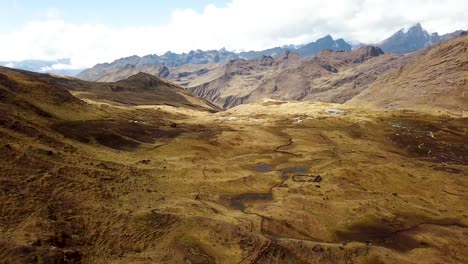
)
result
[(433, 77), (178, 66), (160, 65), (330, 76)]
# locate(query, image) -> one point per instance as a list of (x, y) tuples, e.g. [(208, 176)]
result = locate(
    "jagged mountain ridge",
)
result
[(331, 76), (162, 65), (309, 49), (414, 39)]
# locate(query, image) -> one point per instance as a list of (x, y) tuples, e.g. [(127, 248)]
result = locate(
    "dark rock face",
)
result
[(164, 72), (374, 51)]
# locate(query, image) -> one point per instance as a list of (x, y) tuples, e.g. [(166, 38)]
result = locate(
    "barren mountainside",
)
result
[(437, 81), (331, 76), (164, 65)]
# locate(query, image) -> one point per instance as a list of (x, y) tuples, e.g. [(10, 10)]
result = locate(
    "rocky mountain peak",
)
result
[(142, 76), (408, 41), (416, 28)]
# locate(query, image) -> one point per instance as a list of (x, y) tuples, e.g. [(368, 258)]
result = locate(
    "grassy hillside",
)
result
[(436, 82), (272, 182)]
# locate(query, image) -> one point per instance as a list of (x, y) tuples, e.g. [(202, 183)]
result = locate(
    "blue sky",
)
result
[(96, 31), (15, 13)]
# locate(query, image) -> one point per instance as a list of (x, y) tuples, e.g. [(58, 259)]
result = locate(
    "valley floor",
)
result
[(272, 182)]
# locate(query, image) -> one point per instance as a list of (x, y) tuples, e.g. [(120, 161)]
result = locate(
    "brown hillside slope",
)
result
[(435, 82), (140, 89), (31, 92), (329, 77)]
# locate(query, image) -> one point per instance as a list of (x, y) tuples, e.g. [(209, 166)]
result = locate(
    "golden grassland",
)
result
[(271, 182)]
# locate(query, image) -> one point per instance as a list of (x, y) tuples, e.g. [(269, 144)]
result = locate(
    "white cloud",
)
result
[(59, 66), (242, 24)]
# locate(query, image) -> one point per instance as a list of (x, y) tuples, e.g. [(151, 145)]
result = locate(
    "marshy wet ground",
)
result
[(240, 202)]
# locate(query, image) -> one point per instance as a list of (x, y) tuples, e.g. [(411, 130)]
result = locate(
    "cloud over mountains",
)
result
[(240, 25)]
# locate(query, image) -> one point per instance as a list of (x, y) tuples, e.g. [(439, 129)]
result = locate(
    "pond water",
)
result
[(296, 170), (263, 168)]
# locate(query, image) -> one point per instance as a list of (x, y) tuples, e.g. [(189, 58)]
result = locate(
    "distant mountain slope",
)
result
[(153, 64), (324, 43), (112, 73), (414, 39), (331, 76), (46, 66), (306, 50), (164, 65), (435, 82)]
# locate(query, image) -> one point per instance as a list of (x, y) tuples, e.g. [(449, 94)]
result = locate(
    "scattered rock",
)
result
[(318, 178), (297, 120), (307, 178), (317, 248), (72, 256), (232, 118), (335, 111), (173, 125), (106, 177)]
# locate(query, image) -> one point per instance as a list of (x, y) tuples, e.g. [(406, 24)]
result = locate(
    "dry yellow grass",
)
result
[(270, 182)]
